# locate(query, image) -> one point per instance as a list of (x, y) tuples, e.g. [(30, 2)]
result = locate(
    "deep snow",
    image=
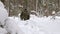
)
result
[(3, 13), (1, 5), (12, 27), (35, 25), (39, 25), (9, 25), (3, 31)]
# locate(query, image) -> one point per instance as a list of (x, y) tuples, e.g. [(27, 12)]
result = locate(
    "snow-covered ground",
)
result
[(39, 25), (3, 13), (7, 25), (35, 25)]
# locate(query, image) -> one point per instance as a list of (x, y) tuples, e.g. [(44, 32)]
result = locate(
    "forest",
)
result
[(37, 7)]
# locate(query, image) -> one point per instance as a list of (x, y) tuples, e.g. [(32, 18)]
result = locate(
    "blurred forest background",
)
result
[(37, 7)]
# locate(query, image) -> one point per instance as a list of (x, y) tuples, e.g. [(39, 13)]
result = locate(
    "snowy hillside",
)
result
[(7, 25), (37, 25), (3, 13), (3, 17)]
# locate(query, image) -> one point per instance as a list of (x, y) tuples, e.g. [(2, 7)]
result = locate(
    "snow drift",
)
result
[(3, 14), (3, 31), (1, 5), (10, 25), (39, 25)]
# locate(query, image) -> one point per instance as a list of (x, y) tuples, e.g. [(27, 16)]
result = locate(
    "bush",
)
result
[(25, 15)]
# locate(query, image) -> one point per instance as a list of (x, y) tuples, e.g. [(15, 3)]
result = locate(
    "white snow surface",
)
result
[(1, 5), (3, 13), (9, 25), (12, 27), (3, 31), (39, 25), (35, 25)]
